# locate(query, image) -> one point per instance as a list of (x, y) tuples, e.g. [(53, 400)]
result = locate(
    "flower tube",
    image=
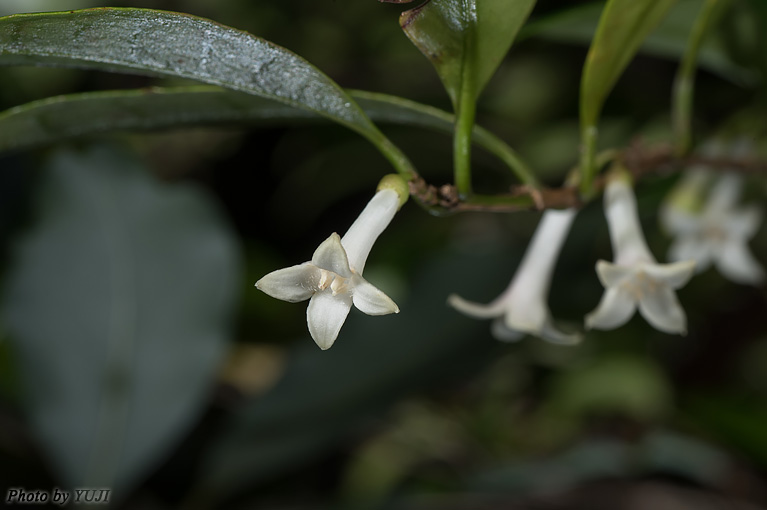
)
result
[(522, 307), (635, 279)]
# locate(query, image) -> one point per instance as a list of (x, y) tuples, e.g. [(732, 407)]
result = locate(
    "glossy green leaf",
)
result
[(117, 304), (57, 118), (163, 43), (623, 27), (465, 40)]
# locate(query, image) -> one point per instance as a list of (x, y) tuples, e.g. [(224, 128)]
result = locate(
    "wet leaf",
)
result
[(145, 41)]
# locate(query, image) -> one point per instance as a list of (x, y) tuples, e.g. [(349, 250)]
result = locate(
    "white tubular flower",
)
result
[(635, 278), (522, 307), (332, 281), (716, 233)]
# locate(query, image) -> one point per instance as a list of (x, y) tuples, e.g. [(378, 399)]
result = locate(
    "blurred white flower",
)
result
[(332, 280), (718, 232), (521, 309), (635, 279)]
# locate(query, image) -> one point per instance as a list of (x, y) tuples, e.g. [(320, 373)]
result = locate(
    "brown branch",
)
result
[(638, 158)]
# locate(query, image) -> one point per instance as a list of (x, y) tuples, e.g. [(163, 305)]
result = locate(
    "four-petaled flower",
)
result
[(635, 279), (522, 307), (718, 232), (332, 280)]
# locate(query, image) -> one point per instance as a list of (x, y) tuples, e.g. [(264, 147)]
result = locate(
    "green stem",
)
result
[(681, 104), (684, 83), (398, 110), (502, 151), (588, 165), (396, 157), (462, 141)]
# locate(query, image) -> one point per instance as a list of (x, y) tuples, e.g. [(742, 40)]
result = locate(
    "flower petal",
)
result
[(526, 315), (662, 310), (674, 275), (502, 332), (677, 221), (369, 299), (743, 223), (292, 284), (615, 309), (737, 263), (692, 248), (552, 334), (331, 256), (325, 316), (724, 194), (479, 311), (612, 275)]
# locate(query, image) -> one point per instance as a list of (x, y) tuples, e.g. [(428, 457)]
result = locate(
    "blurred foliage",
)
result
[(419, 410)]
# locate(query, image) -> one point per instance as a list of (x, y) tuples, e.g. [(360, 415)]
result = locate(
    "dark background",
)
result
[(425, 409)]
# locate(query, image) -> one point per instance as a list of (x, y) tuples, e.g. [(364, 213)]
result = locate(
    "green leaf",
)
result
[(163, 43), (63, 117), (57, 118), (465, 40), (117, 304), (622, 28), (668, 40)]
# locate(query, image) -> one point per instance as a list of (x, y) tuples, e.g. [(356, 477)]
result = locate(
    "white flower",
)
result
[(716, 233), (635, 278), (522, 307), (332, 280)]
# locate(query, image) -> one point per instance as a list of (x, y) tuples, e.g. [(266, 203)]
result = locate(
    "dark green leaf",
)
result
[(118, 303), (466, 40), (53, 119), (62, 117), (171, 44)]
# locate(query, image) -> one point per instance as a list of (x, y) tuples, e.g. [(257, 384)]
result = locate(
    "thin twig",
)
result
[(640, 159)]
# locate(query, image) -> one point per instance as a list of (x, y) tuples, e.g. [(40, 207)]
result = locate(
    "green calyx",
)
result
[(398, 184)]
